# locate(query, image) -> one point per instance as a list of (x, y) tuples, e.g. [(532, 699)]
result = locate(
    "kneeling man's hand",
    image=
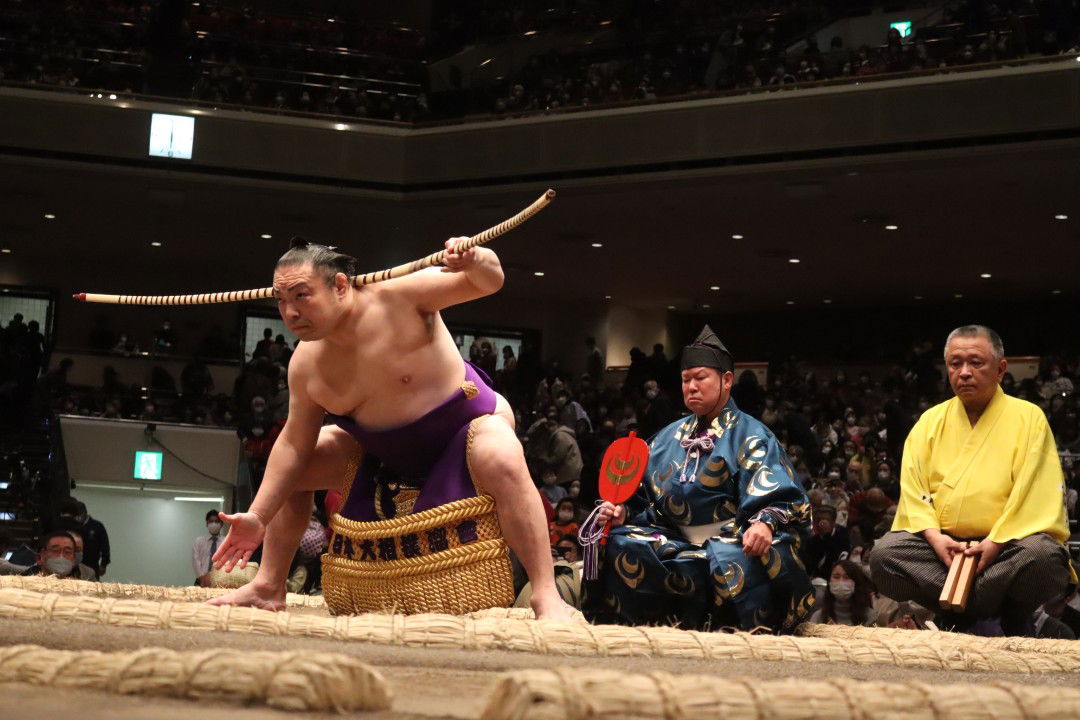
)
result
[(756, 540), (945, 547), (615, 514), (987, 550)]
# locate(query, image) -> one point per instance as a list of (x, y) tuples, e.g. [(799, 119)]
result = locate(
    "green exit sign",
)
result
[(147, 465)]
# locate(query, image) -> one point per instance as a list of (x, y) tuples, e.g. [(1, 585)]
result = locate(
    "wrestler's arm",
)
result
[(288, 457), (294, 446), (466, 276)]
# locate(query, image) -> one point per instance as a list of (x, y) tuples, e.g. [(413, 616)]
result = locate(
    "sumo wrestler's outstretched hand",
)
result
[(246, 531)]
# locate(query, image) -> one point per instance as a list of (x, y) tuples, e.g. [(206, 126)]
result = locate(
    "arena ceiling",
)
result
[(666, 239)]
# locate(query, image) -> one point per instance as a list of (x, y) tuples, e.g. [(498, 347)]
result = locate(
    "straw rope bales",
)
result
[(556, 690)]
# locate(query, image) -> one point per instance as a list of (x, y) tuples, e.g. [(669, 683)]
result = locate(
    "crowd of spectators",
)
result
[(748, 53), (217, 52), (632, 50)]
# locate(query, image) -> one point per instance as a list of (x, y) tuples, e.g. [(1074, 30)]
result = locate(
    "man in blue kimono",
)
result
[(711, 538)]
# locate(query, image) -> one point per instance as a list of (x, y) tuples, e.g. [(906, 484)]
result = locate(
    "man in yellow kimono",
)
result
[(981, 466)]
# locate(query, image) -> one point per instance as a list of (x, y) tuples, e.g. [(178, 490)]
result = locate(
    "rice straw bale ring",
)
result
[(284, 680), (580, 694), (187, 593)]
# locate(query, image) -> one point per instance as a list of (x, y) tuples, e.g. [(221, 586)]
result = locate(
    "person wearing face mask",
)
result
[(204, 547), (848, 599), (57, 556), (73, 517), (548, 443), (564, 523), (81, 571), (827, 544), (570, 411), (550, 487)]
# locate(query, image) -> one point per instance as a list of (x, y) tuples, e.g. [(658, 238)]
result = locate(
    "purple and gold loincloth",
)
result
[(414, 534)]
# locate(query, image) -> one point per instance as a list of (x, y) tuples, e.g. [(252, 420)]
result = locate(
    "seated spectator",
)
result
[(866, 511), (907, 616), (828, 543), (564, 523), (56, 557), (550, 444), (848, 598), (836, 497), (567, 548), (81, 571), (550, 488)]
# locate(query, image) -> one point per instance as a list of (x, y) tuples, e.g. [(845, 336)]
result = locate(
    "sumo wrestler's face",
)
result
[(308, 306), (974, 372)]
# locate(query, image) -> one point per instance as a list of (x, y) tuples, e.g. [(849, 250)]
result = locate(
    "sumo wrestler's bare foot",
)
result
[(550, 606), (254, 594)]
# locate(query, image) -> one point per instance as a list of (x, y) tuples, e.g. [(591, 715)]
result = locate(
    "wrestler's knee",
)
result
[(333, 451), (496, 457)]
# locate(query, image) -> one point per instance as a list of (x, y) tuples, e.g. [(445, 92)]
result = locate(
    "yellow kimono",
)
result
[(1001, 479)]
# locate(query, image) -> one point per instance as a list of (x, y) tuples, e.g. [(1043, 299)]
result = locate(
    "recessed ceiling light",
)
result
[(827, 301), (958, 296), (714, 287), (892, 227), (670, 307), (341, 126), (736, 237), (50, 216), (538, 273), (794, 261), (6, 251), (266, 236), (112, 97), (1061, 217), (918, 297), (853, 173), (706, 306), (1052, 292), (985, 276), (598, 244), (607, 297), (156, 244), (790, 302)]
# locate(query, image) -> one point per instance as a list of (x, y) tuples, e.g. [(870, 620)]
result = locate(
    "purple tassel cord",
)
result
[(589, 535)]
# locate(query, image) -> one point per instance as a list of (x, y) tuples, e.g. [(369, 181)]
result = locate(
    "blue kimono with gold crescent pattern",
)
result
[(679, 557)]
